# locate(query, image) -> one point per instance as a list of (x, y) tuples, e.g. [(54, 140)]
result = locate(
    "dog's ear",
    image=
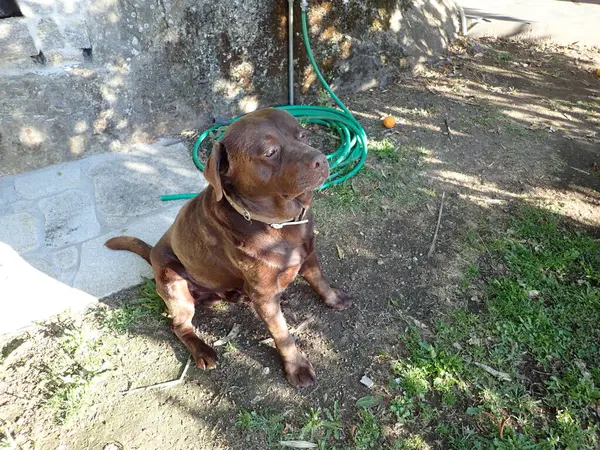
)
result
[(216, 165)]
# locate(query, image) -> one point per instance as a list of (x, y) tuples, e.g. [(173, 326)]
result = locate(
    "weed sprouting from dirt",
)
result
[(83, 354), (323, 426), (368, 431), (384, 149), (323, 98), (269, 426), (147, 309), (501, 57)]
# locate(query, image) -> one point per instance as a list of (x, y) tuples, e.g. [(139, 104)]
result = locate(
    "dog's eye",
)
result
[(301, 135), (270, 152)]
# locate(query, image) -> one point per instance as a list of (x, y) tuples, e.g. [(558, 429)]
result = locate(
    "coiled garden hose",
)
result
[(349, 157)]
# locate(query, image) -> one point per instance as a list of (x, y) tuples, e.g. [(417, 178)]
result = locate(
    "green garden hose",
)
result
[(349, 157)]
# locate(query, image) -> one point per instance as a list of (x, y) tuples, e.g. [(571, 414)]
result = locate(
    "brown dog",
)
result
[(246, 236)]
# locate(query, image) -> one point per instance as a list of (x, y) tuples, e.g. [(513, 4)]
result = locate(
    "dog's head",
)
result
[(265, 154)]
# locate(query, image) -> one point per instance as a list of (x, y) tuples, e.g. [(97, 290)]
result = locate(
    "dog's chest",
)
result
[(275, 253)]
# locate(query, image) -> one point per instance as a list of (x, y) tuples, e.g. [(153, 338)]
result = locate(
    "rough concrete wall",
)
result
[(364, 44), (162, 66)]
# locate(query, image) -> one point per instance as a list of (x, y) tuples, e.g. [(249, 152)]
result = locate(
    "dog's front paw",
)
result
[(300, 372), (338, 300)]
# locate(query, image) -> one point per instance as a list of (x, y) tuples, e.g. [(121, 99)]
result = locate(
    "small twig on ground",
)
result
[(500, 375), (464, 103), (437, 227), (235, 330), (484, 246), (429, 88), (579, 170), (297, 444), (294, 330), (501, 426), (424, 328), (164, 385), (448, 132)]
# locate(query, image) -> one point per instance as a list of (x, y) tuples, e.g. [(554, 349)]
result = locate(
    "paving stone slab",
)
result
[(70, 218), (70, 8), (60, 265), (7, 192), (28, 295), (130, 185), (23, 206), (559, 21), (103, 271), (19, 231), (48, 182), (66, 258)]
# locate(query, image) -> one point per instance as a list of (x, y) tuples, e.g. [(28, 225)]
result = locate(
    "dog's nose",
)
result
[(318, 161)]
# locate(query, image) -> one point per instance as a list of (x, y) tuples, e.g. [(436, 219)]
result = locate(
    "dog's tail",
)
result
[(132, 244)]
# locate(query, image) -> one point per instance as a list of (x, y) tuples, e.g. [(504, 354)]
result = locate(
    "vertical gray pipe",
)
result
[(291, 52)]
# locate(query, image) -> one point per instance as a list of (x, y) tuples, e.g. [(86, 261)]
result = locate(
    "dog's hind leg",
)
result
[(174, 290)]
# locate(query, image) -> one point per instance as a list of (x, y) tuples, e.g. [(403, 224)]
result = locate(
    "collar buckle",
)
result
[(279, 226)]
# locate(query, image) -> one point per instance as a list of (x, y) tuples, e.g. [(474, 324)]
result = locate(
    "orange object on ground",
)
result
[(389, 122)]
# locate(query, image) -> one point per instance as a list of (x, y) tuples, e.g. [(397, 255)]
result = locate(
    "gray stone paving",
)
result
[(54, 222)]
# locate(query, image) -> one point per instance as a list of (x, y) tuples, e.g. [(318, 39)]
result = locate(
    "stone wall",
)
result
[(122, 71)]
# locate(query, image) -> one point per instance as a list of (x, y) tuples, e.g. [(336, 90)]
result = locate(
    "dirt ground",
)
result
[(493, 123)]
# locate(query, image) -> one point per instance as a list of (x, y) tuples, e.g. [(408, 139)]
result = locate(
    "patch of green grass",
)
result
[(387, 182), (501, 57), (587, 105), (403, 408), (83, 355), (343, 197), (471, 273), (413, 442), (268, 427), (486, 118), (323, 98), (367, 434), (322, 427), (539, 335), (384, 149), (493, 119), (147, 309)]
